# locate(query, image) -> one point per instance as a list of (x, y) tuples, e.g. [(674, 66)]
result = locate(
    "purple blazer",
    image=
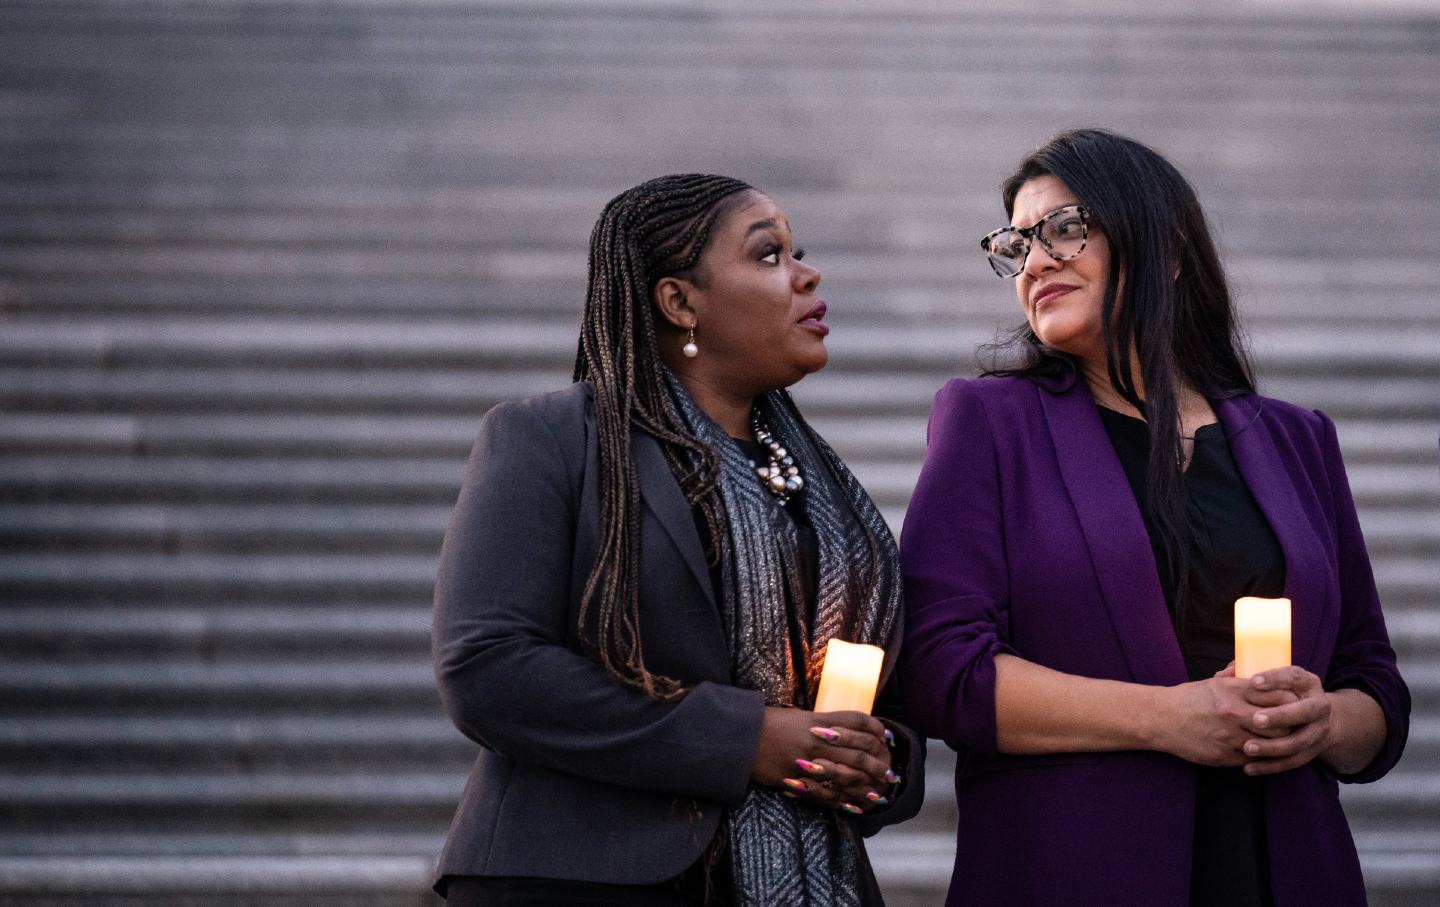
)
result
[(1023, 536)]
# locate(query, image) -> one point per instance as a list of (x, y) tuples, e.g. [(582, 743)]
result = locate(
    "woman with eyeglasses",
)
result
[(1084, 522), (639, 582)]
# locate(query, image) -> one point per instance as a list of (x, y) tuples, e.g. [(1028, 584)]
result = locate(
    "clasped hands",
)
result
[(1273, 722), (839, 760)]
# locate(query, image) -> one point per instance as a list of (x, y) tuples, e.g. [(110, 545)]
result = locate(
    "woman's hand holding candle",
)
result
[(1295, 732), (1208, 722), (800, 751), (1261, 696), (1287, 734), (1260, 712), (843, 759)]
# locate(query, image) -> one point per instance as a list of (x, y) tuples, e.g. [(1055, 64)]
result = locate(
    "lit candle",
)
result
[(1262, 635), (852, 671)]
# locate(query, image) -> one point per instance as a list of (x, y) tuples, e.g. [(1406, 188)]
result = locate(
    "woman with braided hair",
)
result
[(638, 583)]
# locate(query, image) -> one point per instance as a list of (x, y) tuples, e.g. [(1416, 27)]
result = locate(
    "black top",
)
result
[(1234, 553)]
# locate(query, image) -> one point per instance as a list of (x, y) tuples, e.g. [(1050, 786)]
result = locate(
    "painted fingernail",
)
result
[(874, 797), (791, 794), (825, 733), (891, 776), (889, 737), (794, 784), (1262, 720), (1252, 748), (813, 768), (851, 808)]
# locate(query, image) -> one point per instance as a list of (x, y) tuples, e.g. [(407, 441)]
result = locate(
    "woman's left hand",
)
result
[(1304, 723), (855, 773)]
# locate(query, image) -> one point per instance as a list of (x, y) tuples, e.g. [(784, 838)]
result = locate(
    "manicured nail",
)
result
[(891, 776), (812, 768), (792, 796), (889, 737), (825, 733), (1252, 748), (851, 808), (794, 784), (874, 797), (1262, 720)]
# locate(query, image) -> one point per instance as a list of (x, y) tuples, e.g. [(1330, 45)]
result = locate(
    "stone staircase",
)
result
[(264, 265)]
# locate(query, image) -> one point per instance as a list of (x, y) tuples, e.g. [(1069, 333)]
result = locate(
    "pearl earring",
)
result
[(690, 349)]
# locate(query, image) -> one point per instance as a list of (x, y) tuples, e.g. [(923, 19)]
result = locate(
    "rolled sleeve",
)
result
[(1363, 657), (956, 578)]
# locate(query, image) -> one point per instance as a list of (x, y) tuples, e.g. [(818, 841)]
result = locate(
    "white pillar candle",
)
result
[(1262, 635), (848, 681)]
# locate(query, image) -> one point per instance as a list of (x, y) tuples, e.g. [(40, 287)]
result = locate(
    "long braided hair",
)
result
[(654, 230)]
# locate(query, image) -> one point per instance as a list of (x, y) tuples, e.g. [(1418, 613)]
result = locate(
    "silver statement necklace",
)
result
[(781, 475)]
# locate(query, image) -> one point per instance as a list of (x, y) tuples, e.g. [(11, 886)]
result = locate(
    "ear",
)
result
[(672, 298)]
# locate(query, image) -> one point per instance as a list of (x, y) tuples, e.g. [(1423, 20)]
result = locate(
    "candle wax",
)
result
[(848, 681), (1262, 635)]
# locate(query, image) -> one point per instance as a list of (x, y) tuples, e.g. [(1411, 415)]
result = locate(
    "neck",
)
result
[(1104, 393), (1190, 403), (729, 410)]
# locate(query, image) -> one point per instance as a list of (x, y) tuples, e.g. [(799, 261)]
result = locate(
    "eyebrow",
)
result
[(1050, 212), (766, 224)]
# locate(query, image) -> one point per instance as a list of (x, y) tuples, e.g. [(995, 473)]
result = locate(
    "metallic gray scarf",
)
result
[(784, 852)]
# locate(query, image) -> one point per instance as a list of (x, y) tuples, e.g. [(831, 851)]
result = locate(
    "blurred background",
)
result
[(264, 265)]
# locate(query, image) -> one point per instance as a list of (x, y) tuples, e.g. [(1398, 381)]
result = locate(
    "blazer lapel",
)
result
[(1259, 455), (661, 493), (1115, 534)]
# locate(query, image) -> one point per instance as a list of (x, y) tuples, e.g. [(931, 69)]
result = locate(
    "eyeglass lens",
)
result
[(1061, 233)]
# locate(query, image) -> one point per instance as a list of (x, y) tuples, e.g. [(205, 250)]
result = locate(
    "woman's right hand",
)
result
[(799, 751), (1208, 721)]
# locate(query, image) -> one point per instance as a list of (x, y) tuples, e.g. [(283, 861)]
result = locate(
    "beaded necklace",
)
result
[(781, 475)]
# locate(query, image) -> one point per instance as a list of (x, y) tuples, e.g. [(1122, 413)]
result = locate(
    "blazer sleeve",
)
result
[(907, 759), (1363, 658), (506, 676), (957, 584)]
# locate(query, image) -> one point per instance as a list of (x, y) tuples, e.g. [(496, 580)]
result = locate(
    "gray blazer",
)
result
[(579, 777)]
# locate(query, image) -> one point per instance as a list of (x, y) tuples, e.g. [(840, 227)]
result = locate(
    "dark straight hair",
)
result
[(656, 229), (1175, 313)]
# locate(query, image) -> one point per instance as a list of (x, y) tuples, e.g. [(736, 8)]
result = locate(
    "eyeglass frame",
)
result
[(1031, 233)]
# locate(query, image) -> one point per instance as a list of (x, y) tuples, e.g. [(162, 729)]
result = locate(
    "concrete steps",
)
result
[(316, 685), (1408, 350), (219, 881), (264, 265), (448, 389), (111, 631), (330, 483), (170, 529), (382, 434)]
